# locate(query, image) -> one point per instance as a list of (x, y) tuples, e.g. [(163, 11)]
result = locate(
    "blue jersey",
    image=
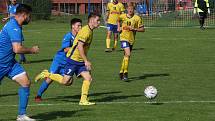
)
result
[(12, 9), (11, 32), (66, 42)]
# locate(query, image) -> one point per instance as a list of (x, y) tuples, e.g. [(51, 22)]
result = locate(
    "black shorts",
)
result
[(202, 14)]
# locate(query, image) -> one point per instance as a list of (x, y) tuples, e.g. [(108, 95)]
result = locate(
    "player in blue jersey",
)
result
[(11, 38), (11, 13), (11, 10), (59, 61)]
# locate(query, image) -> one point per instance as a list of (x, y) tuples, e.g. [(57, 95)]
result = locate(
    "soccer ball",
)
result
[(150, 92)]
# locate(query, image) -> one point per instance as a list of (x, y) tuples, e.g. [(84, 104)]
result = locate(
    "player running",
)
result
[(11, 38), (114, 9), (77, 61), (130, 24), (11, 13), (59, 61)]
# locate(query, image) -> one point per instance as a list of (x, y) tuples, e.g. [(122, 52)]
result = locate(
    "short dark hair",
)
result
[(93, 15), (75, 20), (23, 8)]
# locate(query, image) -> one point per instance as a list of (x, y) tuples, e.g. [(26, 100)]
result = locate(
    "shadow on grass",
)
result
[(144, 76), (7, 95), (134, 49), (75, 98), (111, 98), (40, 61), (49, 116)]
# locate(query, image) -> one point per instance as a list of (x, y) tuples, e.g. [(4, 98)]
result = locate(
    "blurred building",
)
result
[(3, 6), (80, 6)]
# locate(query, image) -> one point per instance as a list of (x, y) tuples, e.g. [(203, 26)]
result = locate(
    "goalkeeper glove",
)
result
[(194, 11), (209, 11)]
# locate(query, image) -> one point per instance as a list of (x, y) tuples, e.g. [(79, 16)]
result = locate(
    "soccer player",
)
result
[(77, 61), (11, 38), (114, 9), (59, 61), (11, 13), (202, 8), (130, 24)]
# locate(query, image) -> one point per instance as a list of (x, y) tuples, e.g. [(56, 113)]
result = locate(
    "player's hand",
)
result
[(35, 49), (133, 29), (126, 28), (119, 29), (88, 65), (194, 11), (4, 19), (209, 11)]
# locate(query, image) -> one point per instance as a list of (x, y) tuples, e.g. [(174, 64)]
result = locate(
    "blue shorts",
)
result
[(76, 68), (112, 27), (57, 68), (11, 71), (126, 44)]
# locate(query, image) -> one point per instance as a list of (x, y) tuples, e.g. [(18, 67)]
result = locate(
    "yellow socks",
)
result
[(124, 67), (56, 77), (126, 62), (85, 90), (107, 43), (115, 44)]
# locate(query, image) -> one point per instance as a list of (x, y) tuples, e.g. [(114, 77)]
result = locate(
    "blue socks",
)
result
[(23, 99), (43, 88)]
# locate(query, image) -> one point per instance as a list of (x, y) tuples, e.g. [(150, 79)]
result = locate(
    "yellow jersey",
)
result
[(135, 22), (85, 35), (114, 12)]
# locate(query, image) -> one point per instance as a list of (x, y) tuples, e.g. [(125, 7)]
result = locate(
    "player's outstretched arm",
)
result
[(19, 49)]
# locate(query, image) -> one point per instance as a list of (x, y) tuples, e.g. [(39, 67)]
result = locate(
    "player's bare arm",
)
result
[(18, 48), (83, 55)]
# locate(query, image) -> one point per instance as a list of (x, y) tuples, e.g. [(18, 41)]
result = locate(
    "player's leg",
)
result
[(55, 68), (65, 80), (201, 20), (115, 37), (18, 74), (43, 87), (108, 38), (125, 62), (85, 88)]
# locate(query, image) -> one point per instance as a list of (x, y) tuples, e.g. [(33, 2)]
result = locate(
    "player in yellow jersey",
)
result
[(114, 9), (128, 24), (77, 61)]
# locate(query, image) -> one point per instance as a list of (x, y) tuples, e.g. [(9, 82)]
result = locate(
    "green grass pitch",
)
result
[(179, 62)]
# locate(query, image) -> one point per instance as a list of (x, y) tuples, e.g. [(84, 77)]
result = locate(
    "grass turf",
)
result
[(178, 62)]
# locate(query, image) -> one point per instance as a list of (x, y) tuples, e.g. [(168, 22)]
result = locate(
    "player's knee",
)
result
[(26, 83), (89, 78), (127, 55)]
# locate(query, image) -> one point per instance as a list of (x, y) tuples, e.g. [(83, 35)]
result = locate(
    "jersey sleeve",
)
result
[(108, 7), (121, 17), (139, 22), (15, 34), (122, 8), (67, 41), (196, 4), (83, 36), (207, 3)]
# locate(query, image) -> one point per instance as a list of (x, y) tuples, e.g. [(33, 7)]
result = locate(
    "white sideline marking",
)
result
[(109, 103)]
